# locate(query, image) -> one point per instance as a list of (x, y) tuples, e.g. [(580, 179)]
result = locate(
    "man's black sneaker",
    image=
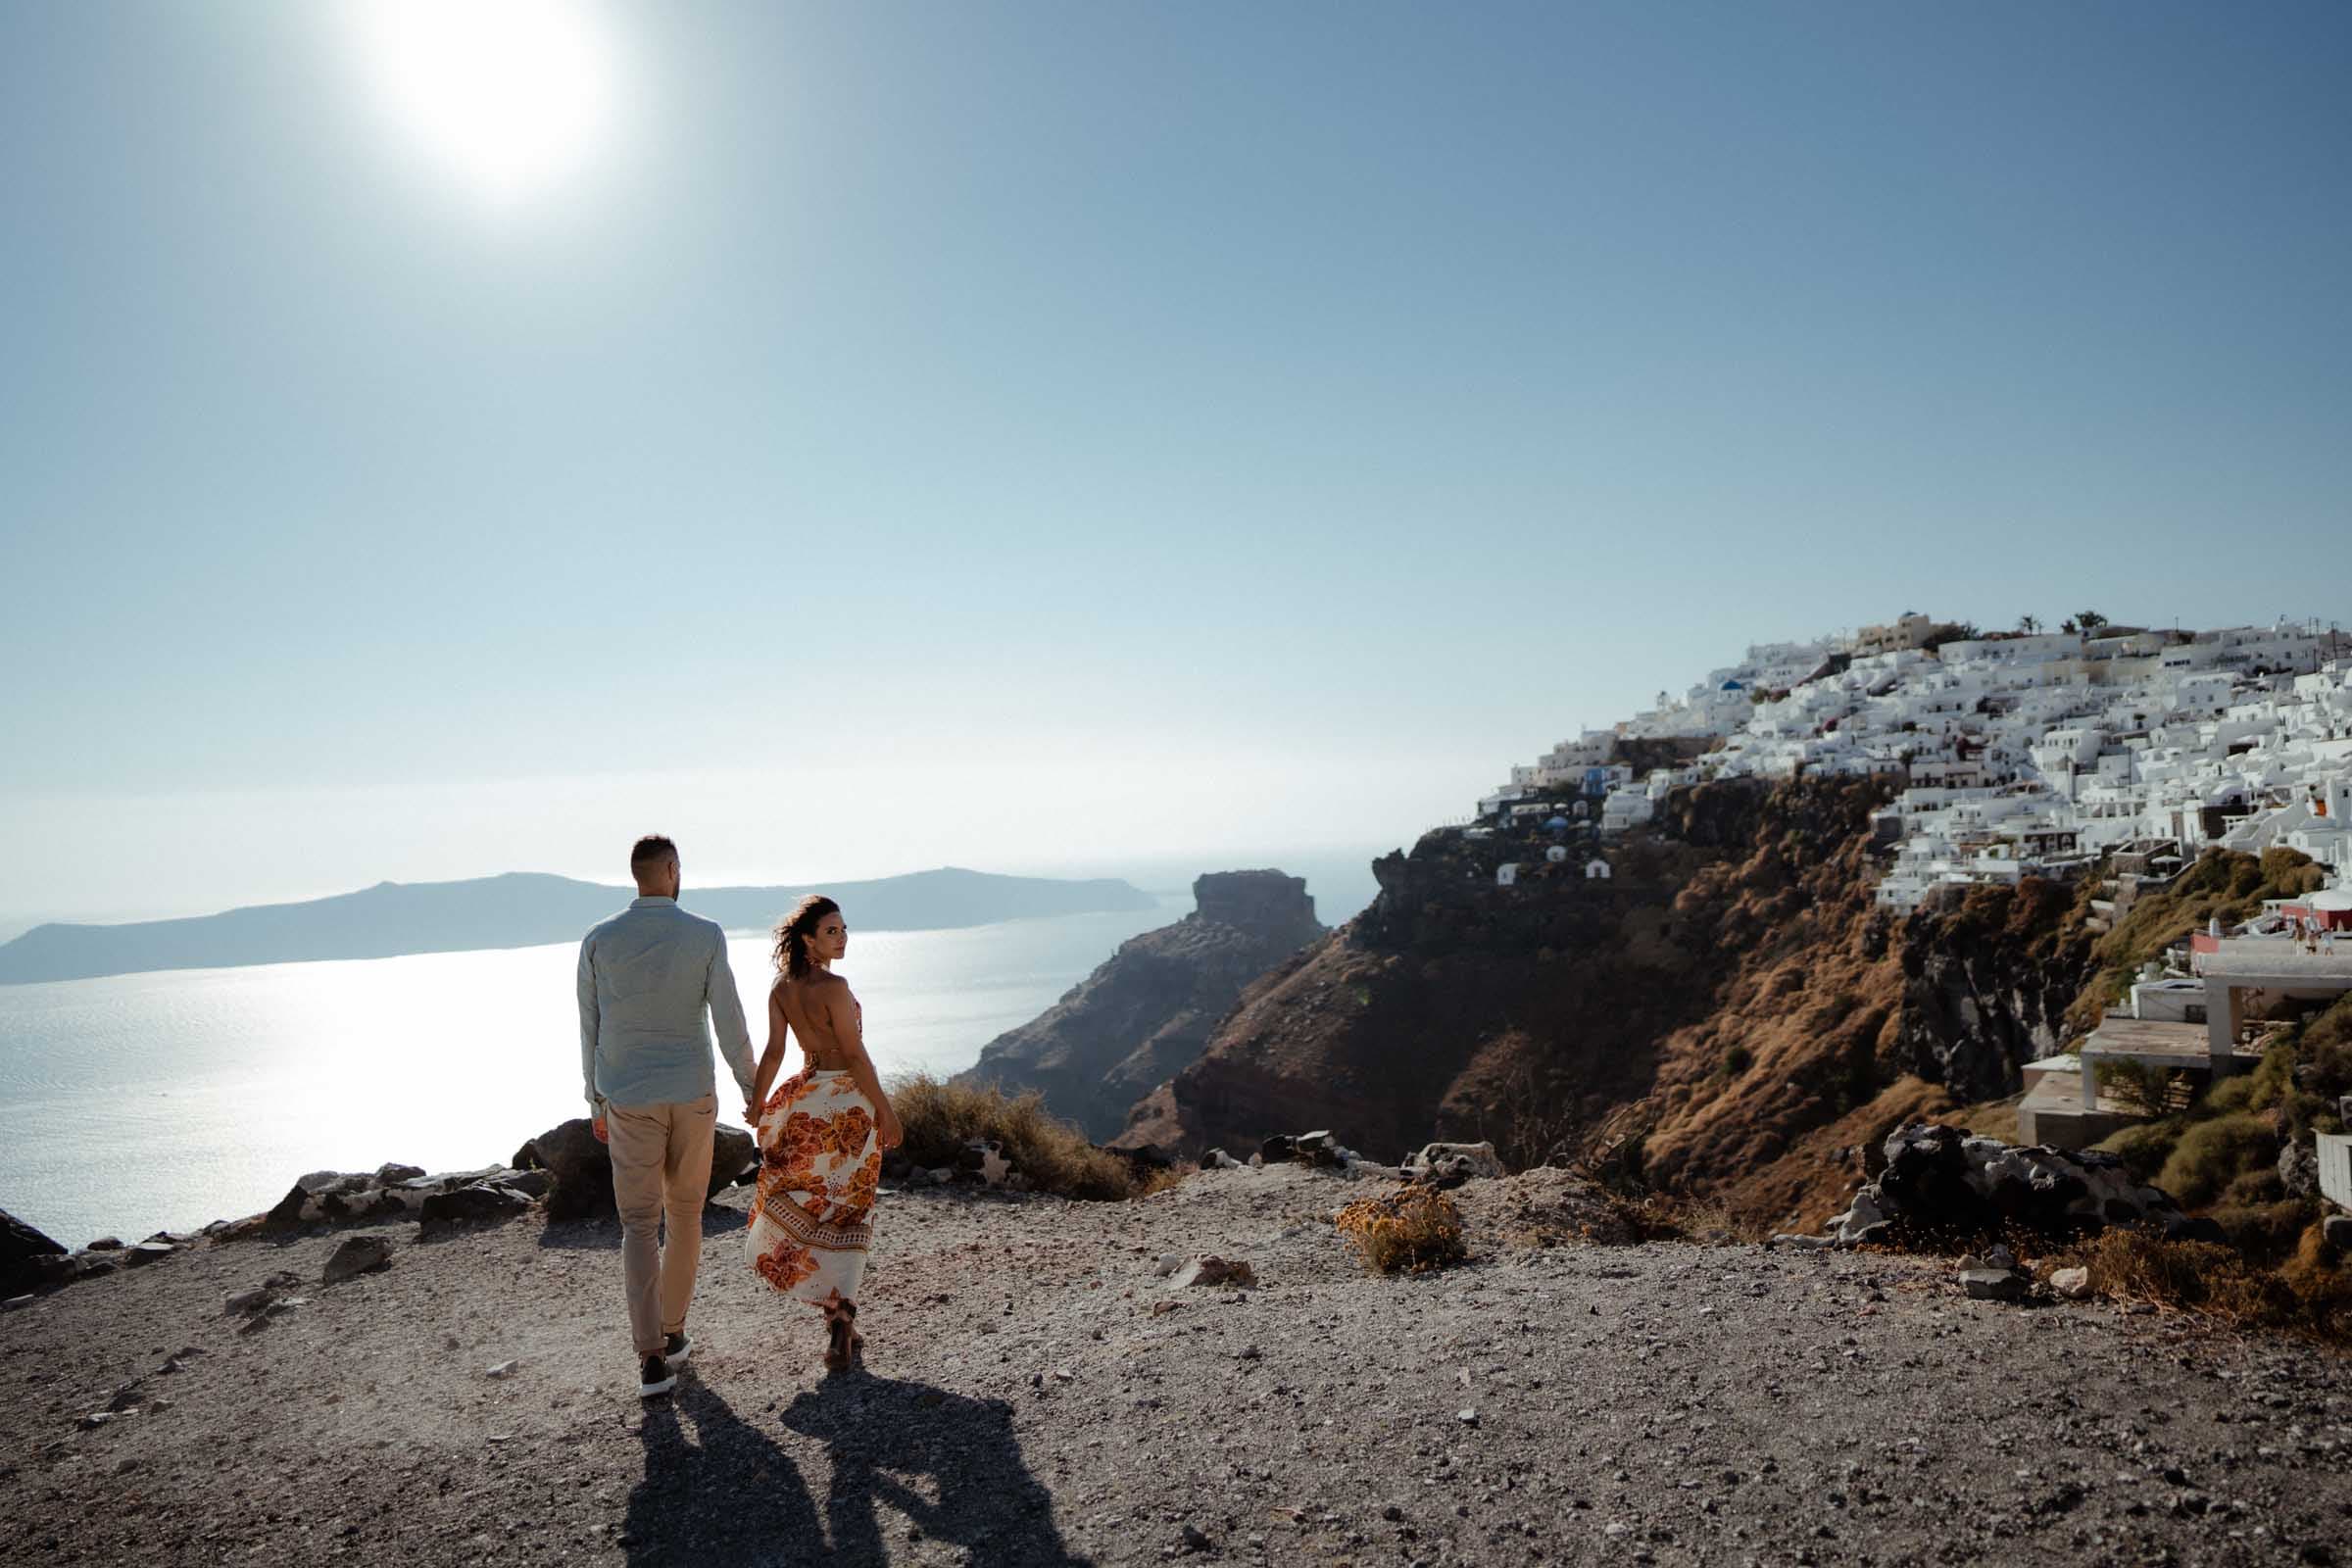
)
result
[(679, 1348), (657, 1378)]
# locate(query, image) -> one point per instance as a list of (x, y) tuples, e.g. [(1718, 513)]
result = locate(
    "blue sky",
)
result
[(1060, 435)]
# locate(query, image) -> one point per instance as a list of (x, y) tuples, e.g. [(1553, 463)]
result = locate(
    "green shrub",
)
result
[(2212, 1154), (2143, 1149), (941, 1118), (2228, 1098)]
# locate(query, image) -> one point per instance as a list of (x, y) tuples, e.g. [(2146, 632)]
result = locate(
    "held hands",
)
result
[(602, 1136)]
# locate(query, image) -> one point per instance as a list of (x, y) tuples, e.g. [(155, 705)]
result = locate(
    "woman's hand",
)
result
[(888, 1130)]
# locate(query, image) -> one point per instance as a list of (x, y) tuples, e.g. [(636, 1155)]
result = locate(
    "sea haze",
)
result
[(147, 1101), (519, 909)]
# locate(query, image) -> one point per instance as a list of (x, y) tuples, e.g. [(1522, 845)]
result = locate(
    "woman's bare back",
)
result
[(824, 1016)]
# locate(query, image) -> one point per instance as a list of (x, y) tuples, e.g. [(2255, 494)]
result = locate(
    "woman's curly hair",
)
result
[(792, 935)]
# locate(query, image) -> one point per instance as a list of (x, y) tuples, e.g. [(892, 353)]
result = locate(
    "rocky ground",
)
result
[(1039, 1393)]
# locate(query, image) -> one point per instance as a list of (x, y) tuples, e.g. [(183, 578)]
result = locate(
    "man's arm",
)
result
[(586, 986), (726, 1016)]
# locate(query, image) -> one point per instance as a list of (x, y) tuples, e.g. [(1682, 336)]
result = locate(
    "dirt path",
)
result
[(1026, 1404)]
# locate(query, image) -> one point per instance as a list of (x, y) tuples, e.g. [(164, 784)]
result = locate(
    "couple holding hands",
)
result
[(646, 978)]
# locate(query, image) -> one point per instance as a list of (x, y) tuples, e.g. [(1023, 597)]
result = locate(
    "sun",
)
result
[(513, 97)]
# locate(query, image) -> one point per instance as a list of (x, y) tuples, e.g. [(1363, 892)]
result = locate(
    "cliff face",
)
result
[(1150, 1009), (1729, 1002)]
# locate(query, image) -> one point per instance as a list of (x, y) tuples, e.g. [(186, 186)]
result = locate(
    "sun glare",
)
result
[(513, 96)]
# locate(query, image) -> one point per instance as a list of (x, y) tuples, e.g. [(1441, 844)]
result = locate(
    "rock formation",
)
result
[(1940, 1184), (20, 1247), (1730, 1002), (1151, 1008)]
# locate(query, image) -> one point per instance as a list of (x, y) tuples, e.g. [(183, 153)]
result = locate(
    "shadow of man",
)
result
[(728, 1495), (949, 1463)]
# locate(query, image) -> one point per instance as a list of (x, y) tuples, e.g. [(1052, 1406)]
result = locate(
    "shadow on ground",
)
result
[(603, 1235), (718, 1489)]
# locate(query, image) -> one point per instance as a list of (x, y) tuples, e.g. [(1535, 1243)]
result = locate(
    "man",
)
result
[(646, 975)]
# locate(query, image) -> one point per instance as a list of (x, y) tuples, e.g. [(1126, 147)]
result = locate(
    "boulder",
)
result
[(144, 1252), (357, 1256), (20, 1245), (1451, 1164), (1993, 1284), (2299, 1169), (484, 1203), (734, 1157), (389, 1173), (581, 1168), (1941, 1182), (1218, 1159), (2337, 1230), (2072, 1282)]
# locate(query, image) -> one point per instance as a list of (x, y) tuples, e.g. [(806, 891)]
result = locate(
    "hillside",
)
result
[(1147, 1011), (1729, 1001), (519, 909), (1037, 1394)]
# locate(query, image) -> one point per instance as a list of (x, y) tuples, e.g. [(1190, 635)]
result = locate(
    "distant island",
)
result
[(520, 909)]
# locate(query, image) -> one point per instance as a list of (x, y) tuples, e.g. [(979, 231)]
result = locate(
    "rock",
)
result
[(145, 1252), (250, 1301), (1218, 1159), (1167, 1263), (583, 1169), (17, 1304), (983, 1159), (357, 1256), (484, 1202), (529, 1183), (1468, 1418), (734, 1159), (503, 1369), (1999, 1256), (389, 1174), (1211, 1270), (1195, 1541), (105, 1244), (1451, 1164), (1149, 1011), (95, 1419), (2337, 1229), (1992, 1284), (2299, 1168), (1940, 1181), (2072, 1282)]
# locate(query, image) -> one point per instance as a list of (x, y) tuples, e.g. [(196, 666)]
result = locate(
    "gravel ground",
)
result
[(1037, 1394)]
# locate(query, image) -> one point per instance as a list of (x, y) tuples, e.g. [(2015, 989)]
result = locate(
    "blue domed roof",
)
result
[(1730, 686), (1557, 821)]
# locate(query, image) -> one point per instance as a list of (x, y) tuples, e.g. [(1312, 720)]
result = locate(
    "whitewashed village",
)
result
[(2091, 751)]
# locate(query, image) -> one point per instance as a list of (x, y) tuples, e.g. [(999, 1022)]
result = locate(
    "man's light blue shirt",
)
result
[(646, 975)]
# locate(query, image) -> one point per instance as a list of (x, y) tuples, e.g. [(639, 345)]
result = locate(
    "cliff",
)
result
[(1150, 1009), (1728, 1007)]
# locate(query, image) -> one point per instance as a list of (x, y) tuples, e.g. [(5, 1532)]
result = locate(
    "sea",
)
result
[(141, 1102)]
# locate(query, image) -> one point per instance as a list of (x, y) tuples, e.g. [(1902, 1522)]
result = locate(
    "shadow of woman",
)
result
[(726, 1496), (887, 1439)]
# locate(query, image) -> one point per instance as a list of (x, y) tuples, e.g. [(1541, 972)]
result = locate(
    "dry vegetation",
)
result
[(1412, 1230), (942, 1118), (2311, 1293)]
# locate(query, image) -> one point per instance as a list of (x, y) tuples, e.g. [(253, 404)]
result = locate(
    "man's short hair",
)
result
[(651, 850)]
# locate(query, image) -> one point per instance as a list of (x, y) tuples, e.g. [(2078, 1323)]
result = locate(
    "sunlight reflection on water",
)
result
[(149, 1102)]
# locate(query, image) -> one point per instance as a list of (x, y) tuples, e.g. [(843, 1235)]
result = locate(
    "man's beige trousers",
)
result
[(660, 1166)]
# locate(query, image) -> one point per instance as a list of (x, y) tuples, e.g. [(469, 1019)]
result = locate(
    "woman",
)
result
[(821, 1133)]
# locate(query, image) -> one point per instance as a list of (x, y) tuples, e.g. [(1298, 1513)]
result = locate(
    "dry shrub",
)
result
[(1164, 1180), (942, 1118), (2144, 1149), (2311, 1295), (1414, 1230)]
